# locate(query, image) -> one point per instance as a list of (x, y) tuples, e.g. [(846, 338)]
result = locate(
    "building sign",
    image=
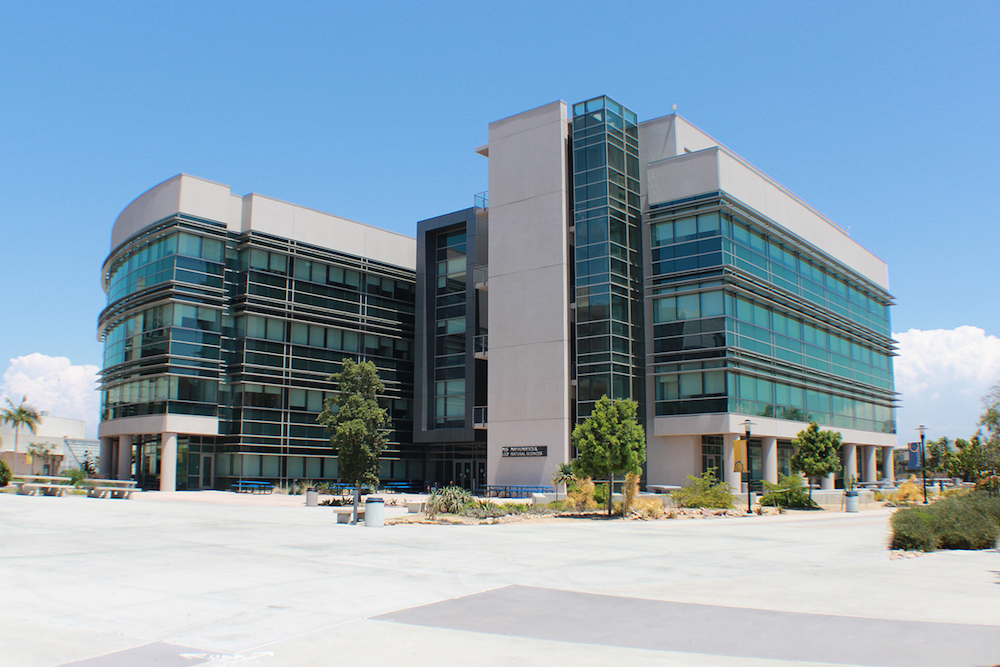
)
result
[(524, 451)]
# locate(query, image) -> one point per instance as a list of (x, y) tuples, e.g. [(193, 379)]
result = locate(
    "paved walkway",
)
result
[(171, 579)]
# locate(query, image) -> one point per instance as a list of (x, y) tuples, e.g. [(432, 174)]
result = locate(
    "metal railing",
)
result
[(481, 274), (479, 416), (481, 344), (481, 199)]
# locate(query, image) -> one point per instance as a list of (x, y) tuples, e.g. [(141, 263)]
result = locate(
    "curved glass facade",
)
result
[(247, 329)]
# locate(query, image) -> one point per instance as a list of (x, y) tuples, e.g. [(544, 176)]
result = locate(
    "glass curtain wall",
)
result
[(299, 311), (607, 246), (162, 325), (449, 330), (746, 321), (248, 328)]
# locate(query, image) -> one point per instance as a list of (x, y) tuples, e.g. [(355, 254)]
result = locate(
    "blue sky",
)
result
[(883, 116)]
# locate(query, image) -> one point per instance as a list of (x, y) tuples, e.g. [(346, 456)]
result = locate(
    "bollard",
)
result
[(312, 497), (374, 513)]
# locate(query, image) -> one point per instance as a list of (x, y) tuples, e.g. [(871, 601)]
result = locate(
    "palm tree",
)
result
[(18, 416), (564, 475)]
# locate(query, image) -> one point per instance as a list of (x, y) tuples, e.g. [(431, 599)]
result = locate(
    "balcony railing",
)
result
[(479, 416), (481, 346), (481, 199), (481, 276)]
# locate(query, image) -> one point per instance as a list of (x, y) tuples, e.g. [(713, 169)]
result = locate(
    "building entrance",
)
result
[(470, 475), (208, 471)]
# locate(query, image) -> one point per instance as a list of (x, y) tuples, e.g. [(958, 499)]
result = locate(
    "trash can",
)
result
[(312, 497), (374, 512), (850, 501)]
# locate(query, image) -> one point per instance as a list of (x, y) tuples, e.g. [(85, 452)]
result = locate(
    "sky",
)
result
[(882, 116)]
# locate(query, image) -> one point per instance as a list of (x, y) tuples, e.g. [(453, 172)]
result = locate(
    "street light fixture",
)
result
[(923, 459), (746, 428)]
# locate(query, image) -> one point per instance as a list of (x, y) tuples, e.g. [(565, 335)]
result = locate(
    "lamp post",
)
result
[(746, 428), (923, 459)]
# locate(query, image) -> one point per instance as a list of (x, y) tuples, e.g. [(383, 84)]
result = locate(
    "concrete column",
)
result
[(729, 454), (168, 462), (828, 483), (769, 459), (870, 468), (124, 457), (107, 452), (888, 468), (850, 461)]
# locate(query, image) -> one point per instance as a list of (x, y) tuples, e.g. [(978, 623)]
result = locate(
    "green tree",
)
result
[(18, 416), (610, 442), (969, 459), (356, 425), (939, 455), (817, 453), (989, 441)]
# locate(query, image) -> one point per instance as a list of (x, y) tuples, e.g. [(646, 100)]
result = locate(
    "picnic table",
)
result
[(252, 486), (54, 485)]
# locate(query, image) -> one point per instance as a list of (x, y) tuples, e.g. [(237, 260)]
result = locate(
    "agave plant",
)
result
[(448, 500)]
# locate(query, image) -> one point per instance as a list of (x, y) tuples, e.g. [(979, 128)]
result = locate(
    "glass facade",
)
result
[(746, 320), (610, 357), (450, 329), (247, 328)]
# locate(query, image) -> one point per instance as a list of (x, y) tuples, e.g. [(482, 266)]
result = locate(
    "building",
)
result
[(646, 260), (57, 444), (226, 316), (640, 260)]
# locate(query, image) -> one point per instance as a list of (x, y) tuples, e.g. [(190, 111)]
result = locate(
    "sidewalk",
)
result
[(104, 583)]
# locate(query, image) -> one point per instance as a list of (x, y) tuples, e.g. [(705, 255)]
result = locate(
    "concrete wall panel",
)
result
[(529, 294), (669, 460)]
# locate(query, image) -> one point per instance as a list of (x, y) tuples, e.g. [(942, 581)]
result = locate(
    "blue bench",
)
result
[(516, 490), (252, 486)]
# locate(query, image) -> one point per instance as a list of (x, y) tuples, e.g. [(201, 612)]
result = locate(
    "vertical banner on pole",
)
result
[(913, 456), (742, 463)]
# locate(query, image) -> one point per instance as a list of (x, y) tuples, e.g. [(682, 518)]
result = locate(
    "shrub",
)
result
[(484, 509), (909, 492), (77, 475), (704, 491), (964, 524), (601, 494), (581, 496), (988, 483), (913, 530), (448, 500), (5, 474), (647, 508), (794, 494), (631, 489), (958, 521)]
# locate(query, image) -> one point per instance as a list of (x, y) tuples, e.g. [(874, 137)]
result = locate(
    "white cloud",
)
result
[(56, 385), (942, 375)]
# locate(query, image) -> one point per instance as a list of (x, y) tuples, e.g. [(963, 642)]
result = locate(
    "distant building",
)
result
[(613, 257), (63, 439)]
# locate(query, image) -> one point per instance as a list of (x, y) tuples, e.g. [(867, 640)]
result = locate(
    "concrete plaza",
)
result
[(218, 579)]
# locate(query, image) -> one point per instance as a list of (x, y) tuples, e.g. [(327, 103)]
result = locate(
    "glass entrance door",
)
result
[(207, 471), (463, 474)]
